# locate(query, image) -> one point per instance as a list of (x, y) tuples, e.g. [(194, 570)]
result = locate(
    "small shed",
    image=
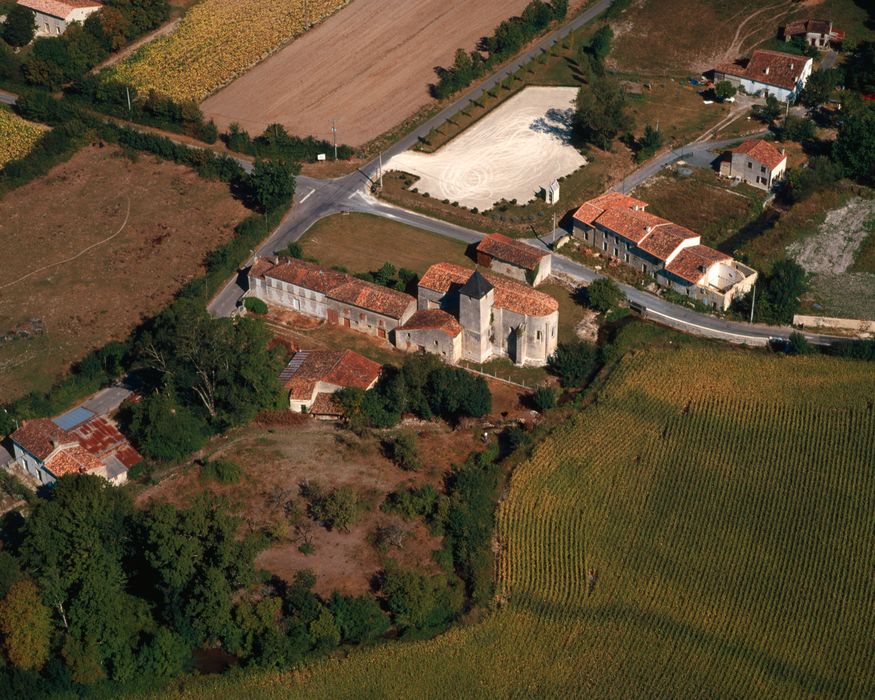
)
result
[(551, 193)]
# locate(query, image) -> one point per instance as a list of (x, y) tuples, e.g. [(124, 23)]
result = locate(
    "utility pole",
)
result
[(334, 131)]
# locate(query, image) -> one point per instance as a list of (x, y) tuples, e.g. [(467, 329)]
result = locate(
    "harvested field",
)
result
[(175, 218), (276, 459), (510, 154), (368, 66)]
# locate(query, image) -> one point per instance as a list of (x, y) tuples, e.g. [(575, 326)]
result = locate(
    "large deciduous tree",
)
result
[(273, 183), (20, 26), (25, 626), (600, 113)]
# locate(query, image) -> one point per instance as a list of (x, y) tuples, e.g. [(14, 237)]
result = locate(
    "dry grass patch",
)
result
[(175, 218)]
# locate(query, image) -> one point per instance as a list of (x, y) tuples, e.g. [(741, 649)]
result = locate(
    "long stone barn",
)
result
[(336, 297)]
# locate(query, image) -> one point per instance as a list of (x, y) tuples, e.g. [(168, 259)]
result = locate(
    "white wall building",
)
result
[(768, 73), (54, 16)]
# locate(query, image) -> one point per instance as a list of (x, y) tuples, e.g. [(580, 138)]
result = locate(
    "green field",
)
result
[(726, 499)]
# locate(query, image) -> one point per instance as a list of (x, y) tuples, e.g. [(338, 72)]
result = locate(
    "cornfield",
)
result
[(703, 530), (17, 136), (217, 41)]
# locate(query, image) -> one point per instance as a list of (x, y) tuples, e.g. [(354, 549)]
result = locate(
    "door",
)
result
[(346, 322), (381, 333), (332, 316)]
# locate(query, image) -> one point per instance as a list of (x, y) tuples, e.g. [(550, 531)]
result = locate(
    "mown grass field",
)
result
[(725, 499), (17, 136)]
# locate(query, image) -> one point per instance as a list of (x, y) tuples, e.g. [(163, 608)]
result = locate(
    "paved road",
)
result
[(7, 97)]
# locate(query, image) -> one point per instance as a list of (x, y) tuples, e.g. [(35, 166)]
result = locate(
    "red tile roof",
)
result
[(762, 152), (806, 26), (325, 405), (509, 295), (343, 368), (335, 285), (101, 438), (41, 437), (58, 8), (511, 251), (665, 239), (784, 69), (692, 263), (631, 224), (73, 460), (594, 208), (433, 319)]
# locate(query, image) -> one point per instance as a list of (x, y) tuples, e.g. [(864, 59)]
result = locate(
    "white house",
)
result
[(54, 16), (769, 73), (818, 33), (757, 162)]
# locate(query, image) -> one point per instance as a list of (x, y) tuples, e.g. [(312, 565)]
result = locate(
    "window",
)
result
[(553, 332), (604, 244), (616, 253), (538, 335), (435, 343), (643, 267), (749, 165), (361, 317), (762, 168), (626, 257)]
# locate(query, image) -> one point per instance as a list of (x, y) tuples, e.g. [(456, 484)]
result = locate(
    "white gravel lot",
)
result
[(511, 153)]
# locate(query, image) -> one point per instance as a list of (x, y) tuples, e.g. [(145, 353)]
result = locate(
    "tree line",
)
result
[(508, 38)]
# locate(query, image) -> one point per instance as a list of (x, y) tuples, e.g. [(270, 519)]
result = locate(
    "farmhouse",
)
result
[(617, 226), (818, 33), (514, 259), (768, 72), (757, 162), (54, 16), (313, 376), (47, 451), (337, 297), (498, 317)]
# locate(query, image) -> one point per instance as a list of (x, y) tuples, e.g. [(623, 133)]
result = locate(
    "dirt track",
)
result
[(368, 66)]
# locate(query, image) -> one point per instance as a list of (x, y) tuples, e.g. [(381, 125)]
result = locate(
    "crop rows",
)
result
[(726, 502), (17, 136), (217, 41)]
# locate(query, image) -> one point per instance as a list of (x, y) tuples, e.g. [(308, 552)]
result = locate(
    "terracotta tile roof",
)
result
[(594, 208), (40, 437), (325, 405), (335, 285), (343, 368), (435, 320), (73, 460), (692, 263), (509, 295), (507, 249), (784, 69), (806, 26), (665, 239), (762, 152), (101, 438), (373, 297), (632, 225), (300, 273), (58, 8)]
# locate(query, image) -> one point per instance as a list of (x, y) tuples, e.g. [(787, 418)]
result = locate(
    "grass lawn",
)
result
[(362, 243), (570, 312), (703, 203)]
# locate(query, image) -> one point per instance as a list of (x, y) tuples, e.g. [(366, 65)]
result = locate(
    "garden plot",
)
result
[(511, 153)]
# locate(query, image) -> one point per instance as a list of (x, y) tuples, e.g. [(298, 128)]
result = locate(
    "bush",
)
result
[(222, 470), (603, 295), (336, 510), (420, 602), (574, 363), (423, 502), (544, 398), (255, 305), (402, 450), (359, 619)]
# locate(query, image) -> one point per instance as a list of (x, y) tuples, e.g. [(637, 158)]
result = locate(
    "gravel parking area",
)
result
[(511, 153)]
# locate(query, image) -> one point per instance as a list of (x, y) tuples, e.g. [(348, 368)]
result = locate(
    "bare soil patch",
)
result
[(277, 459), (175, 218), (833, 249), (368, 66)]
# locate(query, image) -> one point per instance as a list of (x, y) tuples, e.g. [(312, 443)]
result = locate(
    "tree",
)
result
[(859, 68), (337, 510), (401, 449), (358, 619), (573, 363), (770, 111), (163, 429), (819, 87), (821, 171), (785, 284), (648, 144), (798, 344), (25, 626), (798, 129), (600, 44), (20, 26), (420, 602), (724, 90), (543, 398), (603, 295), (600, 113), (273, 183), (854, 148)]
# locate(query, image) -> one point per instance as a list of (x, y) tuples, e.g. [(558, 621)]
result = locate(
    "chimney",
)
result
[(648, 229), (766, 70), (55, 443)]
